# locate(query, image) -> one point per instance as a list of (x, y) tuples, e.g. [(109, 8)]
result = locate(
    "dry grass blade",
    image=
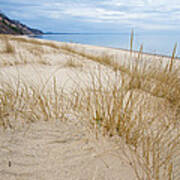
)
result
[(172, 57), (131, 41), (140, 52)]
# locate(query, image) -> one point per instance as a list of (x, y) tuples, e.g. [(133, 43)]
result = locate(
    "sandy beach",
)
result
[(81, 112)]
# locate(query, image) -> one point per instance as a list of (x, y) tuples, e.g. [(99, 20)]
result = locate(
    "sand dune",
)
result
[(71, 111)]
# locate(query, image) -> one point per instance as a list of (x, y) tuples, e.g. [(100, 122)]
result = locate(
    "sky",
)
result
[(117, 16)]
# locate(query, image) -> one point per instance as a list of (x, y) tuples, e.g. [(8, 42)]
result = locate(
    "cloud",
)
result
[(141, 14)]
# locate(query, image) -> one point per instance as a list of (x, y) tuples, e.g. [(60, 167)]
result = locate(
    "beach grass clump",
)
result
[(157, 156), (154, 80), (21, 104), (99, 104)]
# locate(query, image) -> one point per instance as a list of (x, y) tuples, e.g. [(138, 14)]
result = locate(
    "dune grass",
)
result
[(153, 145), (153, 152)]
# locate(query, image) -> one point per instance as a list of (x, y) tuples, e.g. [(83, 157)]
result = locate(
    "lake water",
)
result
[(157, 44)]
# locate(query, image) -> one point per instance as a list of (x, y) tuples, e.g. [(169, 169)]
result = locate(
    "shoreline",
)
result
[(146, 53)]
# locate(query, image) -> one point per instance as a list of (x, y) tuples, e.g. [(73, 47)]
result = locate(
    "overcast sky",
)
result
[(96, 15)]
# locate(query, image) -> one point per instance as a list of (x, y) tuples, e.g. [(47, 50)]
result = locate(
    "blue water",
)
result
[(162, 44)]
